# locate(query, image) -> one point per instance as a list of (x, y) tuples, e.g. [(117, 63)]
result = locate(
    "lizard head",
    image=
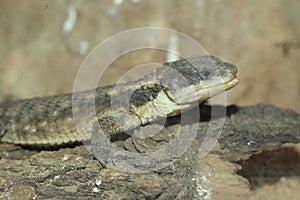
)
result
[(198, 79)]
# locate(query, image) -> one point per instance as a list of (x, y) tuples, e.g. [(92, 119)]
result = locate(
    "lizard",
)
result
[(48, 121)]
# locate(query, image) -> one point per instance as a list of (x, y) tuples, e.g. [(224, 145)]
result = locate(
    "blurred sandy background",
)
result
[(40, 52), (44, 42)]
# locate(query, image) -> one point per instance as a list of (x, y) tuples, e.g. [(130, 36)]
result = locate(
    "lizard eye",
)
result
[(205, 74)]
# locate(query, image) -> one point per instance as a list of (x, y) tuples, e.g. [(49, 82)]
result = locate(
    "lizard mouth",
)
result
[(193, 95), (203, 92), (230, 84)]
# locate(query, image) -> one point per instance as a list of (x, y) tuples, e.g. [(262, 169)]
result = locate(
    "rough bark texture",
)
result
[(72, 173)]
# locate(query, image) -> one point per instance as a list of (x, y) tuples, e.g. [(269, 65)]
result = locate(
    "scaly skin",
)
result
[(48, 121)]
